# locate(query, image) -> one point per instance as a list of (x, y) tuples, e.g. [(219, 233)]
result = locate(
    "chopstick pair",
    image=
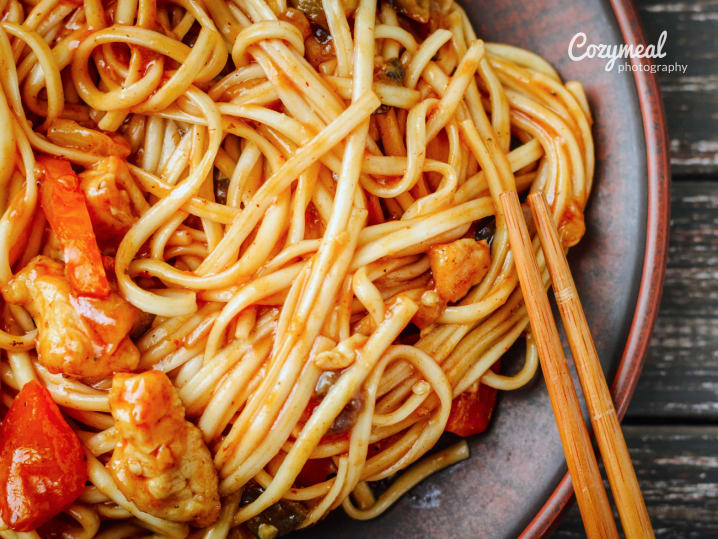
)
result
[(590, 493)]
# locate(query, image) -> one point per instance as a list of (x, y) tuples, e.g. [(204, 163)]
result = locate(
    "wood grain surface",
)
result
[(671, 427), (677, 467), (680, 376), (691, 100)]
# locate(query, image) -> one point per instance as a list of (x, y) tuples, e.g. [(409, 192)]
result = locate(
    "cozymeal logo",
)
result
[(579, 48)]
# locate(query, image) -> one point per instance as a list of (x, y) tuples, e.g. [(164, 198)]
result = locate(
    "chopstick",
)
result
[(582, 466), (612, 445)]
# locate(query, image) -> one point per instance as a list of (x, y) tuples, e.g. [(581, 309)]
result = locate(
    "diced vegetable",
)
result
[(324, 383), (418, 10), (319, 48), (314, 471), (276, 520), (471, 411), (342, 425), (485, 229), (221, 185), (42, 464), (346, 419), (298, 19), (392, 72), (314, 10), (66, 211), (572, 226)]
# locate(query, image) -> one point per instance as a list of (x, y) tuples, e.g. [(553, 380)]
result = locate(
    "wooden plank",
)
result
[(678, 471), (680, 376), (691, 100), (680, 379)]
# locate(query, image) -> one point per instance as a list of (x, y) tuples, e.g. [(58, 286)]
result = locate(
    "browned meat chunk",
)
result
[(459, 265), (77, 335), (161, 462), (108, 204)]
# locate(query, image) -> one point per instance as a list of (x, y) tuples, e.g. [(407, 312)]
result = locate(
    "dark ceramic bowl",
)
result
[(515, 481)]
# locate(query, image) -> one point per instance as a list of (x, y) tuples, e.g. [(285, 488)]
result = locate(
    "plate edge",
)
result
[(655, 255)]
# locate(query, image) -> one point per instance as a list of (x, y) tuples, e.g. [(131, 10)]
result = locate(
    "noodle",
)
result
[(291, 179)]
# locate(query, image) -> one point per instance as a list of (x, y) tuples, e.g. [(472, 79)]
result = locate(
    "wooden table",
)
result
[(672, 423)]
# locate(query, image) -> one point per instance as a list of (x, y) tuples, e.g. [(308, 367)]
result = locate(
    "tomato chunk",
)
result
[(66, 211), (43, 467), (314, 471), (471, 411)]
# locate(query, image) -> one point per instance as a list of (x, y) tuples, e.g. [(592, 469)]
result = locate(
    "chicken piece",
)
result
[(161, 462), (77, 335), (459, 265), (108, 204)]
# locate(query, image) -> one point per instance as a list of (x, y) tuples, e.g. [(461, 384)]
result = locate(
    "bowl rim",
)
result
[(655, 255)]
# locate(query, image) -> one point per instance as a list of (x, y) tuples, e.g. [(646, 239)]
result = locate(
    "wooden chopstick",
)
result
[(616, 460), (582, 466)]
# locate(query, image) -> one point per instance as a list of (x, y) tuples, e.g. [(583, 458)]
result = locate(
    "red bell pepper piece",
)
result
[(43, 467), (471, 411), (314, 471), (66, 211)]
